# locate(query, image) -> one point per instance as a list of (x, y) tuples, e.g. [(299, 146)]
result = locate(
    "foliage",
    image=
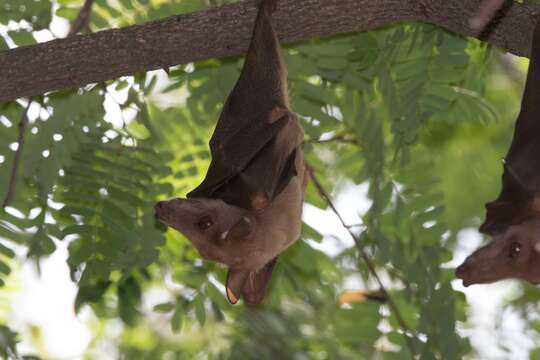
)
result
[(402, 109), (37, 13), (8, 342)]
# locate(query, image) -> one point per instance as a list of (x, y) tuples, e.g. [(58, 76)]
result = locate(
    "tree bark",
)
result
[(225, 31)]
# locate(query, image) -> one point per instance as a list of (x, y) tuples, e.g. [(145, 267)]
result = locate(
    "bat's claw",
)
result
[(270, 6)]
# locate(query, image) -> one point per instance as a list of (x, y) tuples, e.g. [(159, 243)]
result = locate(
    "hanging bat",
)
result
[(513, 219), (248, 208)]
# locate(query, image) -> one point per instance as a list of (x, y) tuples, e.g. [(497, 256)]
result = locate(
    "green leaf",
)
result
[(4, 250), (22, 37), (164, 307), (200, 311), (68, 13), (176, 320)]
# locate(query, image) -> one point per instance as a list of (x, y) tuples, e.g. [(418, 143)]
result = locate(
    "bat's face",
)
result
[(513, 254), (219, 231)]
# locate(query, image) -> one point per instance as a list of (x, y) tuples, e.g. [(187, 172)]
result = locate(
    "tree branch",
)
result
[(371, 267), (225, 31)]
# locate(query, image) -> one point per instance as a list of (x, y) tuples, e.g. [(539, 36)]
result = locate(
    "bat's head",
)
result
[(514, 253), (220, 232)]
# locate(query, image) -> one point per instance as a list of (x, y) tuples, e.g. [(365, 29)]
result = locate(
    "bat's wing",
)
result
[(256, 134), (511, 207), (521, 177), (250, 286), (252, 165)]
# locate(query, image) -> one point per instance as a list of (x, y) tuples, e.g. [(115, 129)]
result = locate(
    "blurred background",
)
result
[(405, 127)]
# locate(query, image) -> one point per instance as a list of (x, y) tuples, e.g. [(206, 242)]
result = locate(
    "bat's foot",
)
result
[(270, 6)]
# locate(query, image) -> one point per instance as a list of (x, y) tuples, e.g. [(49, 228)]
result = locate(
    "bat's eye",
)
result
[(515, 250), (205, 223)]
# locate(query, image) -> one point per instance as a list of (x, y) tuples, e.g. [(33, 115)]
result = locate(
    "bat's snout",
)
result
[(164, 208), (472, 273), (463, 272), (158, 209), (460, 271)]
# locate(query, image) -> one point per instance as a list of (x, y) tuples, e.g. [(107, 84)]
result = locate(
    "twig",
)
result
[(486, 11), (352, 226), (82, 19), (338, 138), (16, 160), (367, 260)]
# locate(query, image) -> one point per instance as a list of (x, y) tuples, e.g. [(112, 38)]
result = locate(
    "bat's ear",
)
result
[(250, 285), (242, 229)]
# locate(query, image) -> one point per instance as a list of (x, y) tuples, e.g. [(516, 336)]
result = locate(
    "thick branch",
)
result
[(225, 31)]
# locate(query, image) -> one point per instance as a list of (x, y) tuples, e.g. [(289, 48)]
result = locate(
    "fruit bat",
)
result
[(248, 208), (513, 219)]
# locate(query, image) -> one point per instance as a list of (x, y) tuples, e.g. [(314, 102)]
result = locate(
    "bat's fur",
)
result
[(259, 236), (514, 218), (248, 208)]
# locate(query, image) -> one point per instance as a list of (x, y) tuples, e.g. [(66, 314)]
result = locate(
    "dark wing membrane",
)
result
[(247, 156), (262, 85), (267, 175), (511, 207), (521, 177), (249, 161), (289, 170), (523, 157)]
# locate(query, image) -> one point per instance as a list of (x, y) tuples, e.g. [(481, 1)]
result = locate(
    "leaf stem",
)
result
[(370, 265), (338, 138), (83, 19), (17, 159)]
